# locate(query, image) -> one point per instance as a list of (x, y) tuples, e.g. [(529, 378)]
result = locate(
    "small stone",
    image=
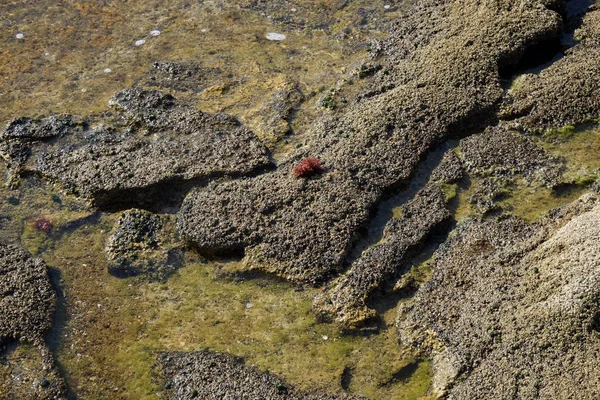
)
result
[(387, 6), (20, 36), (107, 70), (140, 42), (155, 32), (325, 337), (84, 90), (275, 36), (249, 305), (293, 10), (203, 30)]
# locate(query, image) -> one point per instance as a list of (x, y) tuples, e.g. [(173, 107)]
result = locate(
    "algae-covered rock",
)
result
[(28, 299), (167, 144), (345, 301), (512, 308), (141, 244), (208, 375), (439, 76)]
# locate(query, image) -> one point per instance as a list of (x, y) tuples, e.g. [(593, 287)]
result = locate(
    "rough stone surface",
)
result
[(566, 92), (27, 301), (449, 170), (277, 112), (181, 76), (208, 375), (503, 153), (345, 302), (141, 244), (174, 143), (303, 229), (511, 310)]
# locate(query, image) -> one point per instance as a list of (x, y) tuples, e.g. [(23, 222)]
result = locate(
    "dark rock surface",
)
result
[(345, 301), (142, 244), (27, 304), (174, 143), (303, 229), (276, 113), (511, 310), (208, 375), (27, 301), (181, 76)]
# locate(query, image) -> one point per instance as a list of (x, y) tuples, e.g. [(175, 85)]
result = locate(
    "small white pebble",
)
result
[(304, 47), (99, 305), (20, 36), (155, 32), (293, 10), (325, 337), (46, 54), (107, 70), (140, 42), (386, 6), (275, 36), (249, 305), (85, 265), (204, 30)]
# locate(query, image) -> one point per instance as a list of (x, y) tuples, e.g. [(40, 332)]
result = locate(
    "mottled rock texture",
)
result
[(168, 142), (27, 301), (345, 301), (142, 243), (208, 375), (438, 76), (511, 311)]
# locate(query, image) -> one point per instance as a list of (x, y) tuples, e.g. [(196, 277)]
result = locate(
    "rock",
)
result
[(303, 230), (208, 375), (109, 165), (502, 153), (181, 76), (345, 300), (141, 244), (26, 309), (565, 93), (277, 112), (28, 299), (511, 310), (449, 170)]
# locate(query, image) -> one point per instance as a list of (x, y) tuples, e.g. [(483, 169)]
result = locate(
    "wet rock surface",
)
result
[(174, 143), (142, 244), (345, 301), (511, 309), (27, 368), (27, 301), (277, 112), (209, 375), (375, 144), (181, 76)]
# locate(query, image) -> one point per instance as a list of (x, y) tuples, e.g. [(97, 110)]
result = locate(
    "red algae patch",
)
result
[(308, 167)]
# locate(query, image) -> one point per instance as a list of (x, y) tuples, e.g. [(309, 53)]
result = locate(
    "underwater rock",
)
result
[(449, 170), (303, 231), (141, 244), (181, 76), (276, 113), (511, 310), (209, 375)]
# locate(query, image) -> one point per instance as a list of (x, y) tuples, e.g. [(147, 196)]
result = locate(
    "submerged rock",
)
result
[(303, 230), (141, 244), (110, 166), (208, 375), (511, 310)]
